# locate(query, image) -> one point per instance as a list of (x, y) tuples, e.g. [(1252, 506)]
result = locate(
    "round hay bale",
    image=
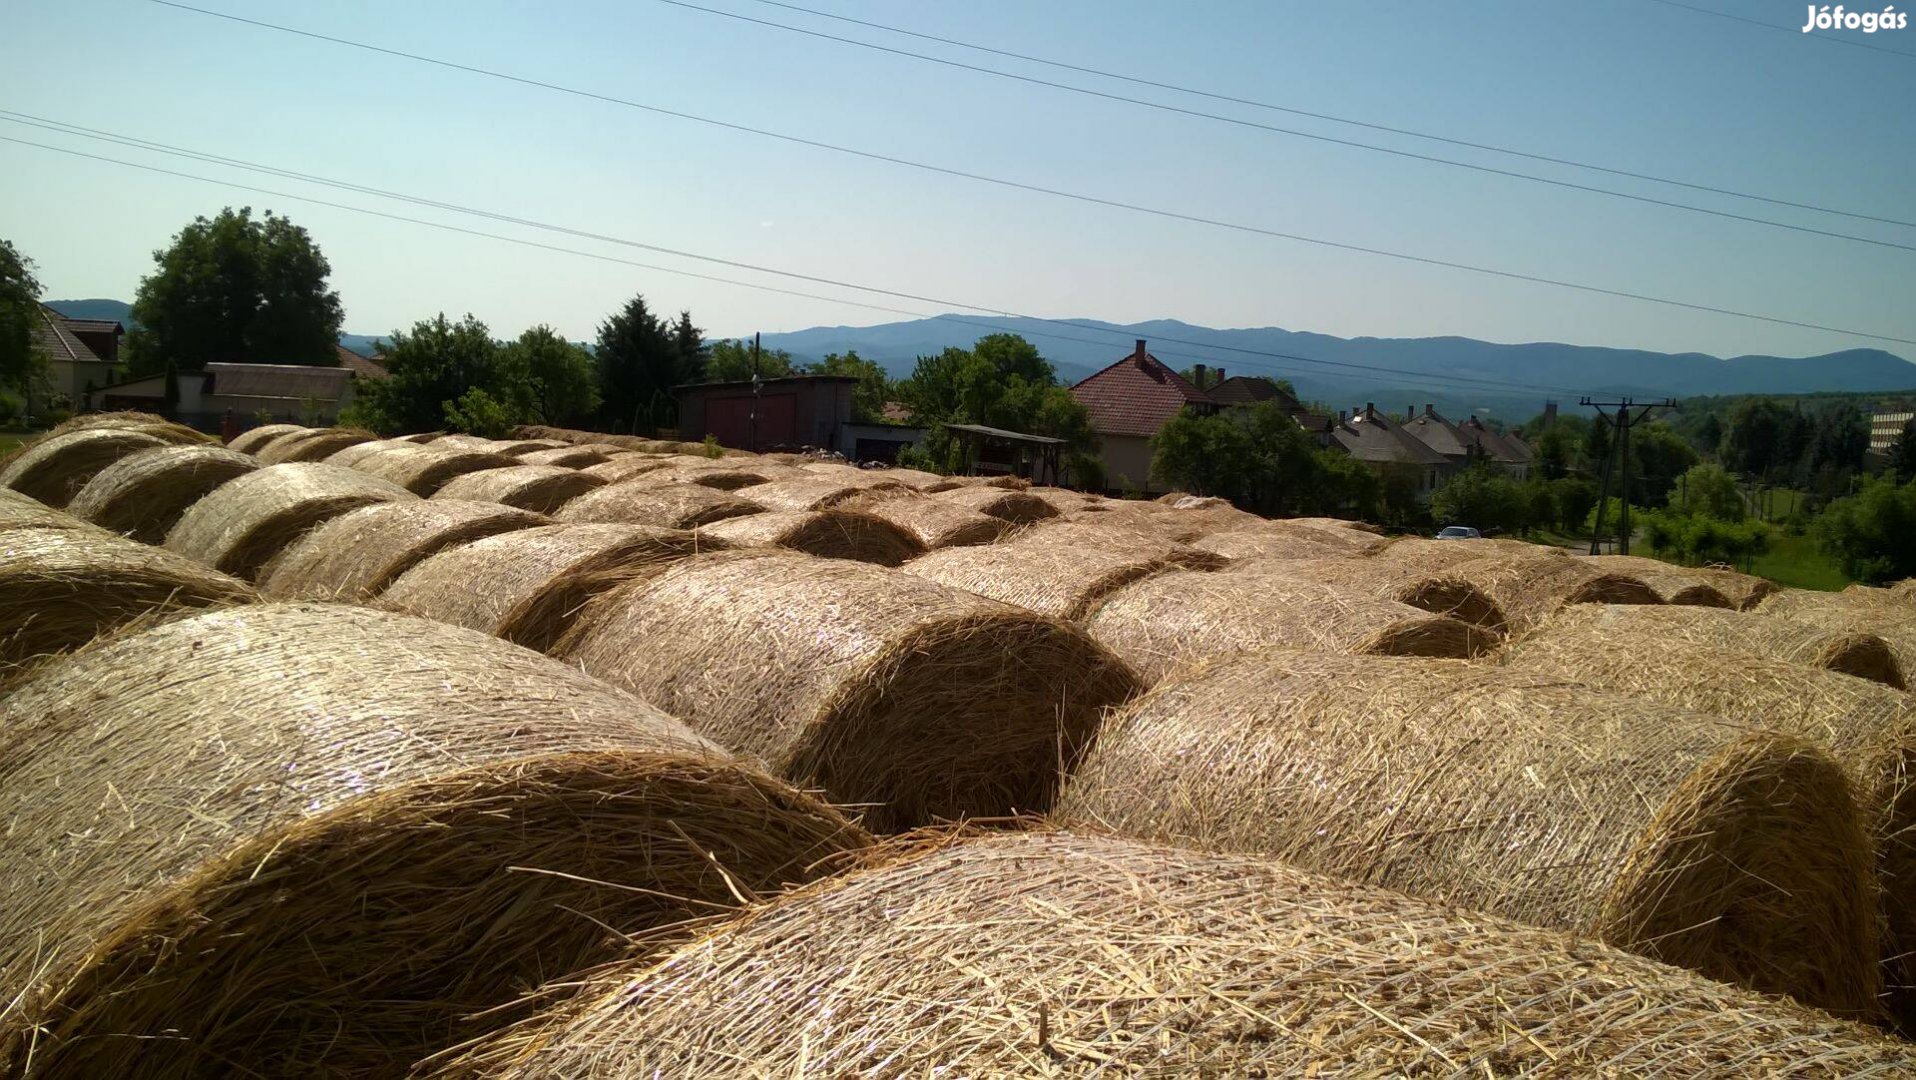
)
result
[(322, 840), (625, 467), (1343, 524), (828, 534), (460, 441), (1851, 652), (1049, 575), (1906, 588), (1869, 727), (879, 688), (933, 523), (1115, 535), (1851, 603), (1529, 589), (1056, 954), (664, 506), (17, 511), (318, 444), (1017, 507), (1247, 544), (810, 494), (423, 470), (710, 475), (60, 588), (248, 520), (1738, 854), (1182, 617), (157, 426), (1672, 584), (421, 438), (544, 488), (53, 468), (916, 479), (527, 585), (358, 452), (1434, 591), (565, 457), (357, 554), (1435, 554), (143, 494), (1063, 500), (252, 439), (1744, 591)]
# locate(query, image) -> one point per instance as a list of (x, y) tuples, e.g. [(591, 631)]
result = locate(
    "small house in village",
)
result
[(303, 393), (1128, 402), (80, 353)]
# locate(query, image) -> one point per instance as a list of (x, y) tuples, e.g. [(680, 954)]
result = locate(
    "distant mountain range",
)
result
[(1459, 375)]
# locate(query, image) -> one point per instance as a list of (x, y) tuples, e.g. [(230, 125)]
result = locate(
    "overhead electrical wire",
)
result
[(1510, 275)]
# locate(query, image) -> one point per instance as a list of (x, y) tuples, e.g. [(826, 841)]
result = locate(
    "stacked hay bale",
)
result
[(311, 444), (310, 839), (17, 511), (1877, 611), (541, 488), (1014, 506), (143, 494), (157, 426), (1851, 652), (921, 702), (527, 585), (1672, 584), (248, 520), (569, 457), (1529, 588), (60, 587), (1738, 854), (1063, 571), (932, 522), (252, 439), (1273, 543), (663, 506), (625, 467), (1437, 591), (356, 555), (358, 452), (821, 493), (829, 534), (1065, 955), (423, 470), (53, 468), (713, 475), (506, 447)]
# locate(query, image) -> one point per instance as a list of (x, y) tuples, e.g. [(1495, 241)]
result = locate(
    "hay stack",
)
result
[(19, 512), (1054, 954), (541, 488), (811, 494), (1905, 589), (1633, 626), (934, 523), (143, 494), (159, 427), (1182, 617), (53, 468), (357, 554), (1114, 534), (625, 467), (1672, 584), (60, 587), (664, 506), (1744, 591), (527, 585), (712, 475), (565, 457), (1738, 854), (1062, 576), (510, 448), (1530, 589), (248, 520), (358, 452), (1017, 507), (916, 479), (1443, 554), (828, 534), (1852, 603), (318, 444), (423, 470), (1271, 544), (321, 840), (876, 687), (1435, 591), (1849, 613)]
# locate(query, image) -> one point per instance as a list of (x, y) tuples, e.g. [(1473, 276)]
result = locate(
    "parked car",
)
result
[(1458, 532)]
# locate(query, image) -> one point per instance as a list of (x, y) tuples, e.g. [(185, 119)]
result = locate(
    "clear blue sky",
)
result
[(1632, 83)]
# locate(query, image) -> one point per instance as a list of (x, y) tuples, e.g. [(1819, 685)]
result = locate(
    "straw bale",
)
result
[(53, 468), (934, 523), (1853, 602), (876, 687), (1847, 613), (357, 554), (817, 493), (1118, 535), (1439, 554), (1064, 581), (625, 467), (1181, 617), (358, 452), (508, 447), (1345, 524), (1063, 500), (1017, 507), (1435, 591), (1060, 954), (303, 840), (1528, 589), (567, 457), (17, 511), (61, 587), (665, 506), (1905, 588), (709, 474), (318, 444), (1270, 544), (421, 437), (527, 585), (544, 488), (1738, 854), (828, 534), (250, 440), (1851, 652), (1672, 584), (143, 494), (423, 470), (916, 479), (159, 427), (248, 520)]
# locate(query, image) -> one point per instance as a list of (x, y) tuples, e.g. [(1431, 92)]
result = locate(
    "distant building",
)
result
[(1468, 443), (1128, 402), (1381, 442), (798, 410), (300, 393), (1885, 427), (80, 354)]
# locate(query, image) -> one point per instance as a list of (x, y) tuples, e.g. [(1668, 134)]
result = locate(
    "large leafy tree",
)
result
[(1764, 436), (732, 361), (641, 358), (19, 307), (1259, 458), (1482, 497), (1002, 381), (237, 289), (1870, 532), (869, 396), (1902, 454), (561, 377), (445, 373), (1709, 491)]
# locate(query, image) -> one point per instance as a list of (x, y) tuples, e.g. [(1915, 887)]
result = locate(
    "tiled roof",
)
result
[(95, 326), (1497, 446), (1245, 389), (1431, 429), (290, 382), (360, 366), (52, 336), (1136, 395), (1376, 438)]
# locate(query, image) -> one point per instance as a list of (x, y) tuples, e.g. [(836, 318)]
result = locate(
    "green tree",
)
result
[(1002, 381), (1259, 458), (731, 361), (869, 396), (1839, 438), (1575, 497), (1596, 442), (688, 342), (438, 364), (1871, 533), (479, 413), (1710, 491), (1902, 454), (1556, 452), (640, 360), (1482, 497), (1205, 455), (235, 289), (1658, 455), (19, 310), (1759, 437), (561, 379)]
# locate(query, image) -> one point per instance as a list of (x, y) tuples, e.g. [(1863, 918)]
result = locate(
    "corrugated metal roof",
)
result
[(1001, 433), (290, 382)]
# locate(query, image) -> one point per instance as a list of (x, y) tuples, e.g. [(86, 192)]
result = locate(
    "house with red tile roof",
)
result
[(1128, 402)]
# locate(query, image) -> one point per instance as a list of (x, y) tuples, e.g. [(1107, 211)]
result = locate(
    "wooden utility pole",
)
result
[(1623, 420), (755, 392)]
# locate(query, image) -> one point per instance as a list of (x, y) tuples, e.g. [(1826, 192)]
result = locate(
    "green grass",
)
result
[(1794, 560), (11, 441)]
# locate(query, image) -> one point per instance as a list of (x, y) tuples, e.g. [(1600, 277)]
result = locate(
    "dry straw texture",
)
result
[(1115, 535), (17, 511), (1870, 728), (664, 506), (625, 467), (934, 523), (1017, 507), (1850, 613), (916, 479), (1530, 589), (709, 474), (358, 452), (1854, 652), (527, 585), (1672, 584), (319, 840), (1059, 955), (1044, 574), (830, 534), (1271, 544), (1183, 617), (143, 494), (807, 494), (356, 555), (53, 468), (1853, 602), (565, 457), (248, 520), (511, 448), (1438, 554), (423, 470), (1435, 591), (879, 688), (1673, 834), (544, 488), (315, 444), (59, 587), (157, 426)]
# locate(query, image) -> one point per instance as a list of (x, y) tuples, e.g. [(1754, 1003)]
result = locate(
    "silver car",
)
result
[(1459, 532)]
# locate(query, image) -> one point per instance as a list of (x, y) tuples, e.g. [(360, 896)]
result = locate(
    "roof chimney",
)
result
[(1199, 372), (1220, 375), (1410, 413), (1549, 413), (1370, 410), (1140, 354), (1343, 416), (1429, 409)]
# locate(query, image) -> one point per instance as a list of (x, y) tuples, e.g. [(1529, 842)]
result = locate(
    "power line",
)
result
[(1174, 215), (1293, 132), (1210, 348), (1797, 31), (1328, 117)]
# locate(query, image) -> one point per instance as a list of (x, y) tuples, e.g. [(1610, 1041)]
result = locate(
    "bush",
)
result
[(479, 413), (1873, 533), (1483, 498), (711, 447)]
